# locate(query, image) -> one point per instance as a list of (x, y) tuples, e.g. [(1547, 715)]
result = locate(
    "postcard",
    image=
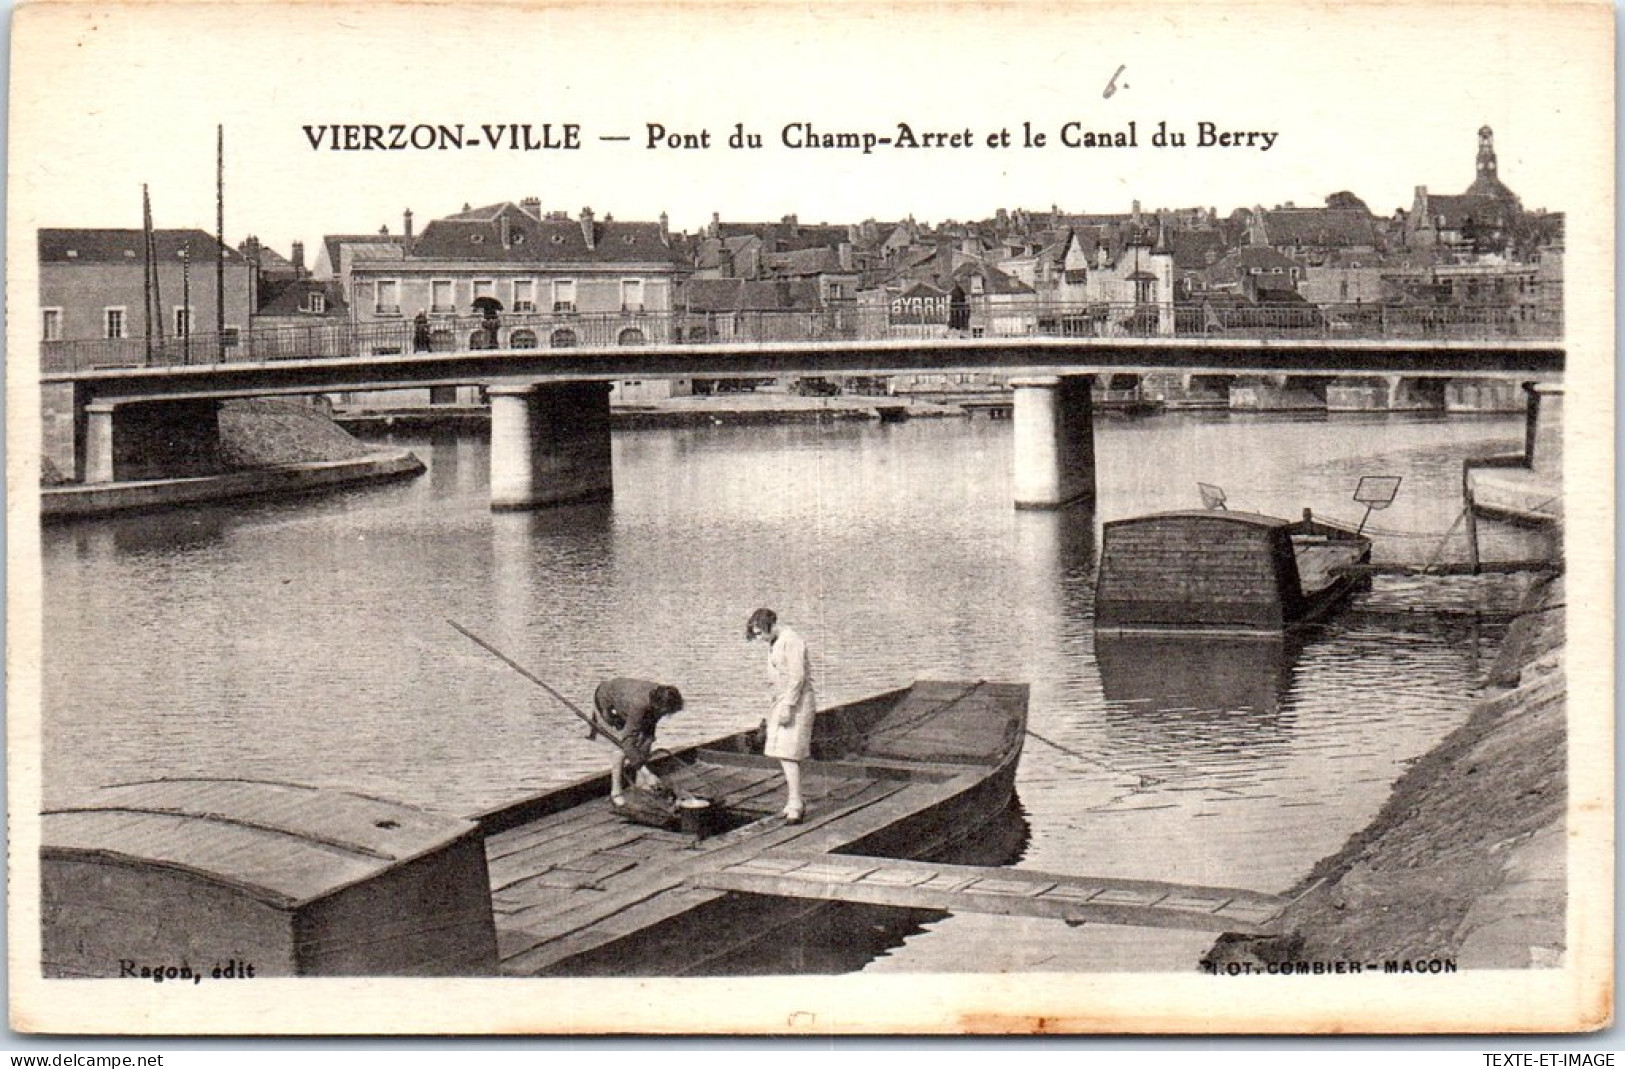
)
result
[(769, 519)]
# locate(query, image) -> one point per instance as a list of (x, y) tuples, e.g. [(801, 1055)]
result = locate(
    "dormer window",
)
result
[(476, 238), (316, 303)]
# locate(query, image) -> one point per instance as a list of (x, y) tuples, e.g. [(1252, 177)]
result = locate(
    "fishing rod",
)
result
[(662, 758), (592, 722)]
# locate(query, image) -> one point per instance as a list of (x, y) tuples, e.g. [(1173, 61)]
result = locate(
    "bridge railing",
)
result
[(847, 322)]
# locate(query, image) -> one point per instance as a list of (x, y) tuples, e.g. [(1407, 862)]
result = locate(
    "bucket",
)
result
[(695, 816)]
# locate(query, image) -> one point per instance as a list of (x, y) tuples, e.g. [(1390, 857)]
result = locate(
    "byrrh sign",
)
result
[(920, 303)]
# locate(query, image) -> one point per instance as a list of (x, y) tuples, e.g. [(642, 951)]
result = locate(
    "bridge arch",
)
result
[(630, 336), (522, 338)]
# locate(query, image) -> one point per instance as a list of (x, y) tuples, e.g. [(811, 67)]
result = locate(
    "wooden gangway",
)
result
[(1004, 891)]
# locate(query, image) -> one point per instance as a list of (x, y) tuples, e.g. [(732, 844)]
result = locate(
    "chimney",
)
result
[(531, 206), (298, 258), (1136, 219), (589, 233), (665, 229), (715, 230), (250, 248), (507, 235), (725, 260), (384, 230), (406, 223), (844, 251)]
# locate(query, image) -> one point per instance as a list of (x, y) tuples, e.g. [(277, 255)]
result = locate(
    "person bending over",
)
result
[(632, 708)]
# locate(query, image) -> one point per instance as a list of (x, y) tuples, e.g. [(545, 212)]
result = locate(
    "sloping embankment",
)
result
[(1466, 860), (264, 433)]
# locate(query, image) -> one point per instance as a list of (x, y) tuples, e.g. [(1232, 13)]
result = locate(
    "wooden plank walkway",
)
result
[(1010, 892), (582, 878)]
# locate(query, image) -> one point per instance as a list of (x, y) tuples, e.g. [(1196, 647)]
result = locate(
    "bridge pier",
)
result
[(1543, 436), (1278, 393), (1483, 395), (1054, 441), (550, 444), (149, 440)]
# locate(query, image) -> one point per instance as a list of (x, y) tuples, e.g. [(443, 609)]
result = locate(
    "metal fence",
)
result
[(834, 326)]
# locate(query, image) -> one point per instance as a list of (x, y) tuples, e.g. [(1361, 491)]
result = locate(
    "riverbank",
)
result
[(1464, 867), (266, 448)]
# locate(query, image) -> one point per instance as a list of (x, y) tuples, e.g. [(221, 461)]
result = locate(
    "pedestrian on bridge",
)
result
[(422, 340)]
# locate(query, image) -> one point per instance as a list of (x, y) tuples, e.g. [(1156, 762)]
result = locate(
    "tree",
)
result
[(1346, 202)]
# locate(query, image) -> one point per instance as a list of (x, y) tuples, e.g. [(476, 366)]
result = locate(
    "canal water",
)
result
[(308, 640)]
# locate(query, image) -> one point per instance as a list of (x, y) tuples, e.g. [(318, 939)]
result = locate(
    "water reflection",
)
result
[(170, 533), (1171, 675), (1196, 697)]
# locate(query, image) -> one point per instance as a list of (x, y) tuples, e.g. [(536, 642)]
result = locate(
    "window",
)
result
[(388, 300), (441, 296), (113, 322), (562, 339), (564, 295), (185, 321), (632, 295), (522, 339), (630, 336), (484, 287), (231, 337), (316, 303), (52, 326), (524, 295)]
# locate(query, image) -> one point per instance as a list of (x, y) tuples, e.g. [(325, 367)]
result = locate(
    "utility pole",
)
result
[(220, 241), (184, 327), (147, 299)]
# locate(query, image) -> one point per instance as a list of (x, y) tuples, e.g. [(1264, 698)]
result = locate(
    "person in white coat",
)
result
[(790, 721)]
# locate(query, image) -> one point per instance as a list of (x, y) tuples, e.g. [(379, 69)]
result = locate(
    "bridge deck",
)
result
[(1009, 892)]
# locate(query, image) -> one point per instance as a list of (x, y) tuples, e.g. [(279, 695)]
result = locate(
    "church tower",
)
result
[(1486, 154), (1488, 183)]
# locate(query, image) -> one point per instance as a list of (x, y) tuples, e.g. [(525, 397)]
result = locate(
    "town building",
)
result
[(509, 276), (548, 280), (94, 283), (1479, 222)]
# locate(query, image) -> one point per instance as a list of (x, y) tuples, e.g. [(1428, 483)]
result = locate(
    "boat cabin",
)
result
[(1216, 570), (192, 875)]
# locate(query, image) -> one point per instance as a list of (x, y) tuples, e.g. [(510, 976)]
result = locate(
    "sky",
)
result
[(1374, 100)]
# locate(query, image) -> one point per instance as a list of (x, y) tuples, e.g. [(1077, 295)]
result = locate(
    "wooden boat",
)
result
[(578, 890), (1223, 571), (194, 879)]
